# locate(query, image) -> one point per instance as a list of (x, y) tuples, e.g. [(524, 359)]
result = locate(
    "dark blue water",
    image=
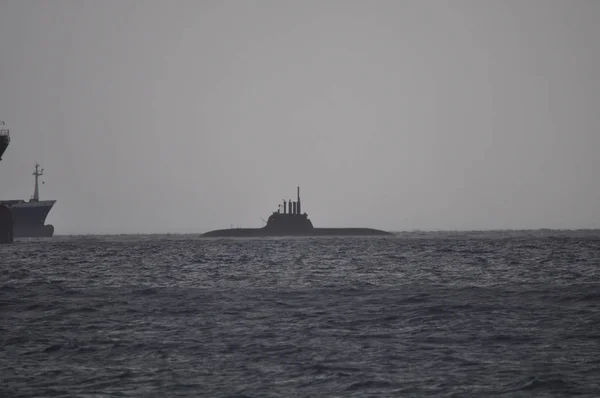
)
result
[(420, 314)]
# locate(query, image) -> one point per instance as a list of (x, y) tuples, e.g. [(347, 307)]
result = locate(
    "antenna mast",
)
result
[(36, 190)]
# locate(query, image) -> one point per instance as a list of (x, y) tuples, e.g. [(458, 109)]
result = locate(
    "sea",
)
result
[(417, 314)]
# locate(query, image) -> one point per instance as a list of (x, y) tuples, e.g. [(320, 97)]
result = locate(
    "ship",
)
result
[(4, 139), (29, 217), (6, 218), (288, 220)]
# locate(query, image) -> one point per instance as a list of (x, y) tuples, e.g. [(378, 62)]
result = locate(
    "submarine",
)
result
[(288, 220)]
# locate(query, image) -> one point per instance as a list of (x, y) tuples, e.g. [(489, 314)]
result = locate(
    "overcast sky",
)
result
[(184, 116)]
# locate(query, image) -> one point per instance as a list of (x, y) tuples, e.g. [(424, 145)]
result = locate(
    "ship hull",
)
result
[(4, 141), (6, 225), (3, 146), (29, 218), (265, 232), (6, 218), (44, 231)]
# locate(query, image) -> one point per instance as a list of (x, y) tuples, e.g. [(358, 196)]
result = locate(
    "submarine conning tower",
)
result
[(291, 220)]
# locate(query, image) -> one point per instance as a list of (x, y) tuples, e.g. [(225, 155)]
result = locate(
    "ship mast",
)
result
[(36, 190)]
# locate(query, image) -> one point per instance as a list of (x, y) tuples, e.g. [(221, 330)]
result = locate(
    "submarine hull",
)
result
[(266, 232)]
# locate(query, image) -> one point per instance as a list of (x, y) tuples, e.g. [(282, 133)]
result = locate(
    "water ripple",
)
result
[(418, 314)]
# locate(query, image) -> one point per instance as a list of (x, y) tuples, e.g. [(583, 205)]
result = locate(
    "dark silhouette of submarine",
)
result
[(292, 222)]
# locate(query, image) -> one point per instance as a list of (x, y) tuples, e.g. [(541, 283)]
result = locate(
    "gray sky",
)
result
[(184, 116)]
